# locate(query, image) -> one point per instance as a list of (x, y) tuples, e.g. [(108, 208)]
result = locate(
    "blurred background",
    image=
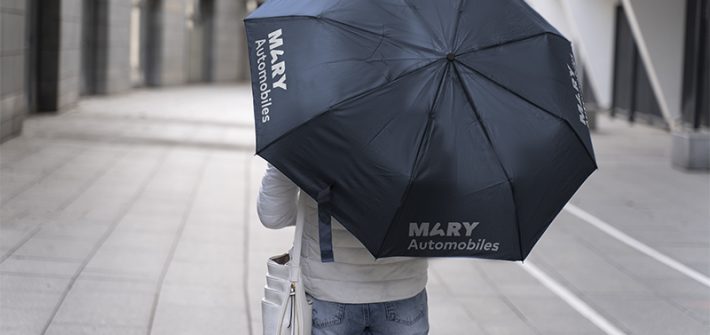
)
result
[(128, 180), (645, 61)]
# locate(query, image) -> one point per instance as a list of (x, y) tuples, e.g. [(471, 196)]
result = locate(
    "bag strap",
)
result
[(325, 230), (296, 288), (295, 263)]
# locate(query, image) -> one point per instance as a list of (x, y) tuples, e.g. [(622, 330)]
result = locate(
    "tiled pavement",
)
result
[(134, 214)]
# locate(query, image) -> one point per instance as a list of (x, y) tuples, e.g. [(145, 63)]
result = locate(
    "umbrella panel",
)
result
[(458, 181), (359, 146), (438, 134), (550, 84), (335, 63), (488, 23), (541, 154)]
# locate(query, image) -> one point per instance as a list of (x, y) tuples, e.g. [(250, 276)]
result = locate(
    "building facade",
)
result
[(646, 61), (643, 60), (55, 52)]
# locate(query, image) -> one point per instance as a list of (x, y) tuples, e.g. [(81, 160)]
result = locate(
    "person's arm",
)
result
[(276, 204)]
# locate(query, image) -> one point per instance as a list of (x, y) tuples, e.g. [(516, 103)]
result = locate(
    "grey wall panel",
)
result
[(59, 54), (229, 45), (13, 53), (173, 61), (114, 74)]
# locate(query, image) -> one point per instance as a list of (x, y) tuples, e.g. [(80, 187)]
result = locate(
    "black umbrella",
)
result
[(427, 128)]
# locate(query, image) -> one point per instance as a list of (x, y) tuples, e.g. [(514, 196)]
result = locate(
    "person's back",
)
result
[(356, 291)]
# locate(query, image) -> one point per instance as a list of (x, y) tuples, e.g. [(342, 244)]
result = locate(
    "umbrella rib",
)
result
[(456, 24), (469, 98), (415, 165), (591, 156), (347, 100), (341, 25), (381, 35), (416, 13), (513, 41)]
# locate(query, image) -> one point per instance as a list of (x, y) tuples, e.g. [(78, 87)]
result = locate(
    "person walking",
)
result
[(356, 293)]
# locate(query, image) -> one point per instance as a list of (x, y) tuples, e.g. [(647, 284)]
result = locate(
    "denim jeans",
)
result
[(401, 317)]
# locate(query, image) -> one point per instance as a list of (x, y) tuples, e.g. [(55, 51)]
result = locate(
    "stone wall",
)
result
[(58, 72), (113, 68), (172, 63), (52, 52), (229, 41), (13, 55)]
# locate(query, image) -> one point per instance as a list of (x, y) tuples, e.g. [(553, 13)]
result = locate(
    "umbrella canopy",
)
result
[(426, 128)]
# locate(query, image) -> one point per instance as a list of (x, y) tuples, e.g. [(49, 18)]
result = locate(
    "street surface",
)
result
[(135, 214)]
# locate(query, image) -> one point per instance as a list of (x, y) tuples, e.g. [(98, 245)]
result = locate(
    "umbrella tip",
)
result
[(451, 56)]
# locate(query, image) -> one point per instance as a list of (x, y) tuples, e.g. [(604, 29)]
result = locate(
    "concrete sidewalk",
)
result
[(135, 214)]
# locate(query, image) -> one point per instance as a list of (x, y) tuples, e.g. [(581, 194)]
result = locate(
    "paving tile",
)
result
[(453, 319), (135, 222), (495, 315), (27, 292), (101, 302), (18, 149), (51, 193), (212, 231), (18, 321), (138, 242), (11, 237), (13, 183), (648, 315), (696, 307), (127, 263), (690, 253), (513, 281), (168, 209), (45, 160), (461, 276), (61, 247), (203, 288), (27, 302), (210, 275), (72, 228), (174, 319), (50, 267), (70, 328), (678, 287), (208, 253), (582, 268), (553, 316), (203, 296)]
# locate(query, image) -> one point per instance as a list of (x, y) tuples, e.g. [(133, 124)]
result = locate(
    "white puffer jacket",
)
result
[(355, 276)]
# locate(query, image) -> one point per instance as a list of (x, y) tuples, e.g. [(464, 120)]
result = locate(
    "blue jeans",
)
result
[(401, 317)]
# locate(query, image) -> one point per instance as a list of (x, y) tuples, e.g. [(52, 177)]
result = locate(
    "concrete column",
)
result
[(168, 64), (691, 150), (113, 68), (13, 53), (229, 53), (59, 54), (592, 23), (589, 24), (659, 30), (553, 12)]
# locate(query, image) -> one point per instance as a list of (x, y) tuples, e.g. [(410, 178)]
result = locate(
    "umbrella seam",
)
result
[(456, 25), (469, 98), (381, 35), (512, 41), (279, 18), (346, 100), (416, 13), (412, 174), (340, 25), (591, 156)]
